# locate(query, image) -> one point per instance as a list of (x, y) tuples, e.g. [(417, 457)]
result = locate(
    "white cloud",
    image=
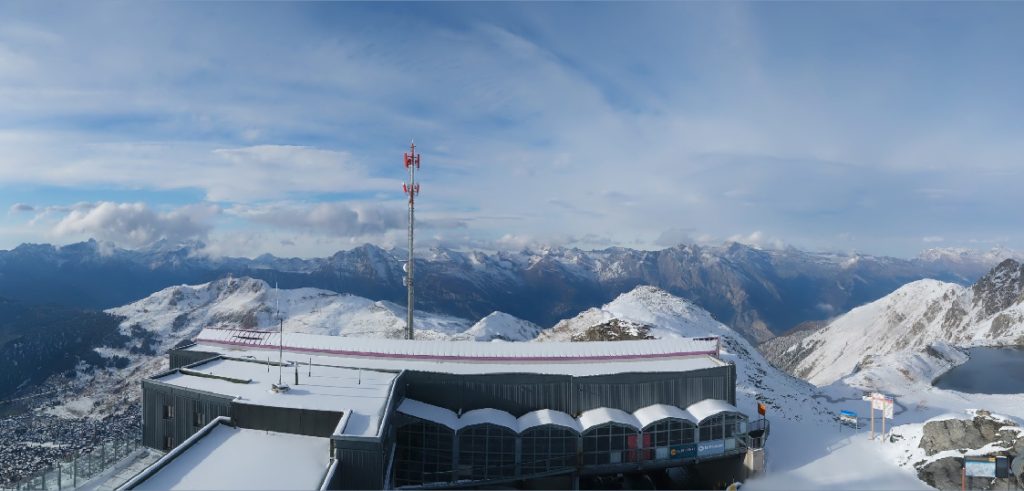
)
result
[(932, 239), (135, 224), (239, 174), (338, 219)]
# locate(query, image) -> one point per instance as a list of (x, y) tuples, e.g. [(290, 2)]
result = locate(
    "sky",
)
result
[(878, 127)]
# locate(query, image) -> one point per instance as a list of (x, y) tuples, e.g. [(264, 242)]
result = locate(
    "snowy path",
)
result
[(853, 462)]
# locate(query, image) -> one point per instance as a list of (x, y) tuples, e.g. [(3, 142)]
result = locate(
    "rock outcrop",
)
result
[(1002, 437)]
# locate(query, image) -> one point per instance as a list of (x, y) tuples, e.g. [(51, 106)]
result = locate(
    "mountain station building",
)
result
[(397, 414)]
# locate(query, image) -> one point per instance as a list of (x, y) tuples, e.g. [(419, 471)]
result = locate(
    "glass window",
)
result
[(487, 451), (423, 453), (546, 448), (711, 428), (611, 443), (665, 434)]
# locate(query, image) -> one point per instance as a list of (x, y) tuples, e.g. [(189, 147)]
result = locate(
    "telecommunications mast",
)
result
[(411, 188)]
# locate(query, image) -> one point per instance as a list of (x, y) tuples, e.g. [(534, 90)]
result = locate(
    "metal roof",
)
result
[(543, 417), (657, 412), (464, 350), (710, 407), (603, 415), (638, 420)]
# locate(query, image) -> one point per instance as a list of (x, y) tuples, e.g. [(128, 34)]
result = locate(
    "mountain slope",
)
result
[(652, 313), (501, 326), (180, 312), (760, 293), (914, 317), (39, 341)]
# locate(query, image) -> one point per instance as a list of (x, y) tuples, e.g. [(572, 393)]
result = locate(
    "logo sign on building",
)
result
[(683, 451), (980, 466), (713, 447)]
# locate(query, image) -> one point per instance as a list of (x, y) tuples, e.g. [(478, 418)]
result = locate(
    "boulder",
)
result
[(956, 434)]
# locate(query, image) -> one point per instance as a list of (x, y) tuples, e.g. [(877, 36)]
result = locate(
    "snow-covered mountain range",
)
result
[(913, 326), (758, 292), (804, 430), (182, 311), (648, 312)]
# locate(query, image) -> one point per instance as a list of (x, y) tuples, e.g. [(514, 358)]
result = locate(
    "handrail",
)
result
[(167, 458)]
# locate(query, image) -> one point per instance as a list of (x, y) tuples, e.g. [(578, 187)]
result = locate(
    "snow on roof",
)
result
[(710, 407), (658, 412), (602, 415), (489, 415), (542, 358), (543, 417), (235, 458), (639, 420), (429, 412), (463, 351), (363, 393)]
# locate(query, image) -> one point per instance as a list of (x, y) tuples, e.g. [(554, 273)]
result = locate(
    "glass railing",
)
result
[(81, 468)]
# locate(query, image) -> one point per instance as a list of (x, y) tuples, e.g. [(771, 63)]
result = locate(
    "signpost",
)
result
[(849, 418), (982, 466), (885, 404)]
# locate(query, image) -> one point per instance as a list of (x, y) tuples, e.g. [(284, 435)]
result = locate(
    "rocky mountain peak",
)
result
[(1000, 288)]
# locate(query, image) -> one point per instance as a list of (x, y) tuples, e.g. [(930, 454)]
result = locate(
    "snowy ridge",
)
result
[(662, 315), (499, 326), (180, 312), (907, 321)]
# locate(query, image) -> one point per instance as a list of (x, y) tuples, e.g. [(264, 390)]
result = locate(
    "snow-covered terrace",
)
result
[(469, 357), (361, 393), (224, 457)]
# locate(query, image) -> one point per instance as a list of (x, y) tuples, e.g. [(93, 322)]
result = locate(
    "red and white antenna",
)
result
[(412, 189)]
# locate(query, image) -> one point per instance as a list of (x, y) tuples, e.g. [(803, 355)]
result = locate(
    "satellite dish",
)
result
[(1017, 466)]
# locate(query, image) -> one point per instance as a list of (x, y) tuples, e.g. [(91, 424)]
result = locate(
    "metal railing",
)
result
[(758, 431), (82, 467)]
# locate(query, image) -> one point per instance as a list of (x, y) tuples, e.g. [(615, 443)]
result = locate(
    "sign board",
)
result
[(1002, 467), (683, 451), (713, 447), (980, 466), (883, 403), (848, 417)]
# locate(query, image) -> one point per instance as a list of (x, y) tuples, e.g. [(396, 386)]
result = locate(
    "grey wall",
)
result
[(522, 393), (156, 394), (285, 420), (181, 357), (359, 469)]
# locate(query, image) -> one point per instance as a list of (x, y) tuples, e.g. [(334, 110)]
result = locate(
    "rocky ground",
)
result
[(945, 442), (34, 438)]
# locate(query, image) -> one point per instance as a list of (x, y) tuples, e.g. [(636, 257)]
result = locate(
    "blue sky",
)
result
[(878, 127)]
